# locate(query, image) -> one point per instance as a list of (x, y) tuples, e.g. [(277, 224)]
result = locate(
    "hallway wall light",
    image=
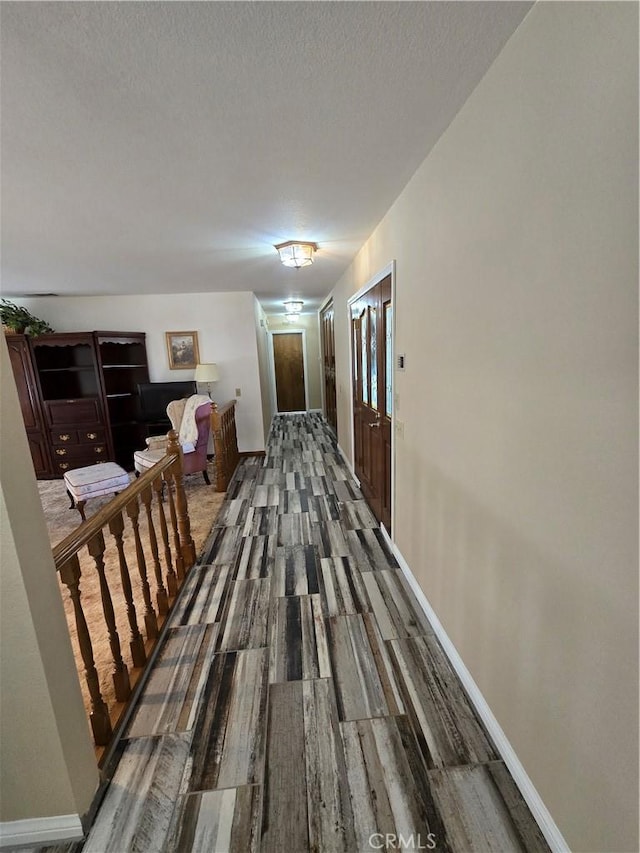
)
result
[(296, 254)]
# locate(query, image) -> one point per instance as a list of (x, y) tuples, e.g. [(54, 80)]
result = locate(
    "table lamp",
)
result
[(207, 373)]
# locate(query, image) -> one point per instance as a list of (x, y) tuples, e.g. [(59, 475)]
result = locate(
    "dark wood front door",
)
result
[(329, 363), (288, 363), (371, 336)]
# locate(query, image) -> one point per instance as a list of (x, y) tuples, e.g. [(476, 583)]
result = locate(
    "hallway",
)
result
[(301, 701)]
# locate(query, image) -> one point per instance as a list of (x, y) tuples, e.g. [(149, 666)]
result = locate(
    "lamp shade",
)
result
[(296, 254), (207, 373)]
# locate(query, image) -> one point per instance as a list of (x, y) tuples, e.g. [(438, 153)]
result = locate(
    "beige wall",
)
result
[(47, 762), (516, 505), (308, 322), (225, 323)]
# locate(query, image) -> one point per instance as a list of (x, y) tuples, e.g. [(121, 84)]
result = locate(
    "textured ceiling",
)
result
[(165, 147)]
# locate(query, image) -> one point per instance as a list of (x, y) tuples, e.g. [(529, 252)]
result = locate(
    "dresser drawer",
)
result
[(73, 412), (91, 435), (68, 437), (80, 454), (62, 464), (64, 437)]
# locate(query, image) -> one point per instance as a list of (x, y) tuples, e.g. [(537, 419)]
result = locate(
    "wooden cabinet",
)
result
[(28, 395), (66, 369), (122, 362), (78, 393), (40, 456)]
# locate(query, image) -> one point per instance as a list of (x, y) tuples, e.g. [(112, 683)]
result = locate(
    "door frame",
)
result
[(389, 269), (329, 301), (272, 369), (325, 304)]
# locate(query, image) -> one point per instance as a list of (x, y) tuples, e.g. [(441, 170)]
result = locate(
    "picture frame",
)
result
[(182, 349)]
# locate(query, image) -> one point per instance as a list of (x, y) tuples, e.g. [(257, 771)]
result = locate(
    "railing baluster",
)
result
[(187, 545), (168, 478), (172, 581), (136, 642), (150, 618), (120, 674), (91, 533), (223, 427), (99, 717), (161, 593)]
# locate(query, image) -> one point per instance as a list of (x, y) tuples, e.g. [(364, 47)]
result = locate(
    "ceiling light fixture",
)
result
[(296, 254), (293, 306)]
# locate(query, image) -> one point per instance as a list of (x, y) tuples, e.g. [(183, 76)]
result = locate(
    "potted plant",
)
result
[(19, 320)]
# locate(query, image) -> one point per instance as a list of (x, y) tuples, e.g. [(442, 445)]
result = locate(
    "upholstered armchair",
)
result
[(191, 419)]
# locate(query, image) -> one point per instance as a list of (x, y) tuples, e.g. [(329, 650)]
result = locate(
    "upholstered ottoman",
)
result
[(93, 481)]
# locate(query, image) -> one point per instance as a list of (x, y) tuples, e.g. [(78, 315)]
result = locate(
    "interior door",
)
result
[(371, 332), (329, 362), (288, 361)]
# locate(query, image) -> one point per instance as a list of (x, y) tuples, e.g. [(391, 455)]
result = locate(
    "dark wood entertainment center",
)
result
[(79, 398)]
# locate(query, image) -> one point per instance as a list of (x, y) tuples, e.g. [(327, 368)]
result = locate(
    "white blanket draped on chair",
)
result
[(182, 414)]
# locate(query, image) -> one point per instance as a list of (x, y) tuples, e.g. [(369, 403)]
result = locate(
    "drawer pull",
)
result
[(92, 435), (61, 451), (64, 437), (63, 465), (99, 449)]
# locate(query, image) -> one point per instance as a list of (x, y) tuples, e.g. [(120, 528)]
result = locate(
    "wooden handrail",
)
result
[(225, 443), (165, 474), (144, 593), (83, 534)]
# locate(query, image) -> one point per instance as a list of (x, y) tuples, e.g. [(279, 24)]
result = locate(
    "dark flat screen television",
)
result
[(154, 398)]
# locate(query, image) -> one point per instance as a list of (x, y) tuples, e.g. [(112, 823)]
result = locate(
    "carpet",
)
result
[(204, 504)]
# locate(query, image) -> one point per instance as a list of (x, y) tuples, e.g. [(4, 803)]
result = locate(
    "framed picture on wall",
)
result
[(182, 348)]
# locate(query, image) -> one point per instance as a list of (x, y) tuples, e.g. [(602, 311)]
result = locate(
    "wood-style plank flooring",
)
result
[(301, 701)]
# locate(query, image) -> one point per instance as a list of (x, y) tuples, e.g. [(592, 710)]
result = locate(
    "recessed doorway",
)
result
[(371, 324), (329, 364), (289, 374)]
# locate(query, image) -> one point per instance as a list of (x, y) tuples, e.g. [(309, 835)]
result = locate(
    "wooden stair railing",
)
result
[(165, 477), (225, 443)]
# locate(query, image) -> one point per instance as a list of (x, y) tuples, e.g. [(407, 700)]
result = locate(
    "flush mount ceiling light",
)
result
[(294, 307), (296, 254)]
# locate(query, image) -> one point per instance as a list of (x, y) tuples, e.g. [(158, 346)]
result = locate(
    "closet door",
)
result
[(371, 333), (288, 360), (329, 364)]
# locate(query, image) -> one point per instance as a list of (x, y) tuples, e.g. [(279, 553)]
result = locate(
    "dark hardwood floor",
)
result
[(301, 701)]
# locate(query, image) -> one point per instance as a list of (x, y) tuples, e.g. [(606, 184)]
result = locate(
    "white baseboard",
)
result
[(39, 831), (533, 799), (387, 539), (348, 464)]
